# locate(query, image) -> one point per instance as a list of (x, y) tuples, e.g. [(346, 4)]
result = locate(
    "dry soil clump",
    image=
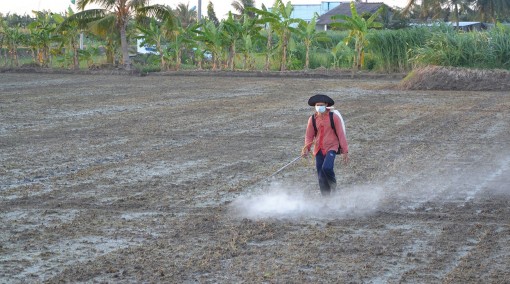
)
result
[(451, 78)]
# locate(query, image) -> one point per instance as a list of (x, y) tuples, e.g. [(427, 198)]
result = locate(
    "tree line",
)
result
[(248, 38)]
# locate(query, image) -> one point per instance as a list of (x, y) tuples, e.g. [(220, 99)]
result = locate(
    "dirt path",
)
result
[(161, 179)]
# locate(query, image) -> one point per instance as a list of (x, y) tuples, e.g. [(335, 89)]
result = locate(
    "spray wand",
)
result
[(290, 163), (283, 168)]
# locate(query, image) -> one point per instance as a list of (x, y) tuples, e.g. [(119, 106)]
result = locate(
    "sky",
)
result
[(221, 7)]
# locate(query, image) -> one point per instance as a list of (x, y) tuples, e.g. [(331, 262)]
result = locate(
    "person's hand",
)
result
[(305, 151), (345, 158)]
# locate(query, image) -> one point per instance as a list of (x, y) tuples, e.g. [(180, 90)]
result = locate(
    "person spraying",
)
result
[(326, 130)]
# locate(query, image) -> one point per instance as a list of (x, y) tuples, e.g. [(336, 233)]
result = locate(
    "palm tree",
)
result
[(459, 7), (211, 14), (358, 28), (428, 8), (486, 10), (186, 15), (492, 10), (242, 7), (123, 10)]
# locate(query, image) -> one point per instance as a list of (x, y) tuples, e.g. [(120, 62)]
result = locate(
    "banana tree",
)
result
[(13, 37), (232, 32), (105, 29), (68, 31), (152, 34), (266, 14), (199, 50), (250, 33), (179, 39), (211, 36), (358, 29), (279, 18), (341, 52), (42, 34), (2, 39), (309, 34), (89, 54), (284, 29)]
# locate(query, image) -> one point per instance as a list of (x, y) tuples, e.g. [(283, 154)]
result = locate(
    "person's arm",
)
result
[(309, 136)]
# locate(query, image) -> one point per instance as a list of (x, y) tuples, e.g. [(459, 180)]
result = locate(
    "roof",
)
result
[(345, 9), (461, 24)]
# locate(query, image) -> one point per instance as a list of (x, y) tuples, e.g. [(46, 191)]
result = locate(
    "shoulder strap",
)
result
[(332, 122), (314, 124)]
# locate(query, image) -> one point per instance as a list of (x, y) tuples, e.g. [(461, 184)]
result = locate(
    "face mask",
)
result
[(320, 109)]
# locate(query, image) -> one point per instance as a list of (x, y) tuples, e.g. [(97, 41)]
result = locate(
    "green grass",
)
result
[(402, 50)]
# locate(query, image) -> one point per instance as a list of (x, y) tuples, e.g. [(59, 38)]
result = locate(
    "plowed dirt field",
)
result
[(165, 179)]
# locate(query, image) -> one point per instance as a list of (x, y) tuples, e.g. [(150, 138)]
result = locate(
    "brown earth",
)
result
[(455, 78), (164, 179)]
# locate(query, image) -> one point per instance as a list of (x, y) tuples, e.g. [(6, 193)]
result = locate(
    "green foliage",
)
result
[(269, 41), (211, 36), (309, 36), (401, 50), (319, 60), (280, 22), (485, 49), (358, 27), (341, 54), (392, 49)]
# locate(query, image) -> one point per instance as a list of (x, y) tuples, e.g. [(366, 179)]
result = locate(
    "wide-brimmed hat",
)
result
[(320, 98)]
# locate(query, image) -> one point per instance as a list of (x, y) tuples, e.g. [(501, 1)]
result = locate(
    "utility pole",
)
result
[(81, 33), (199, 11)]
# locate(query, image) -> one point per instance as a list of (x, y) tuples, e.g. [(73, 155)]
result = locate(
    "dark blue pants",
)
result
[(325, 164)]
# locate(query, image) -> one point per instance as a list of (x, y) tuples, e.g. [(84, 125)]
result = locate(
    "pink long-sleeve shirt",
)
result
[(325, 134)]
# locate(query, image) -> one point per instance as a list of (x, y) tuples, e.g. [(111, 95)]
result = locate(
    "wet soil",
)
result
[(139, 179)]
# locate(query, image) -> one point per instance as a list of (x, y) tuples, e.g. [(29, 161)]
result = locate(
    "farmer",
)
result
[(326, 142)]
